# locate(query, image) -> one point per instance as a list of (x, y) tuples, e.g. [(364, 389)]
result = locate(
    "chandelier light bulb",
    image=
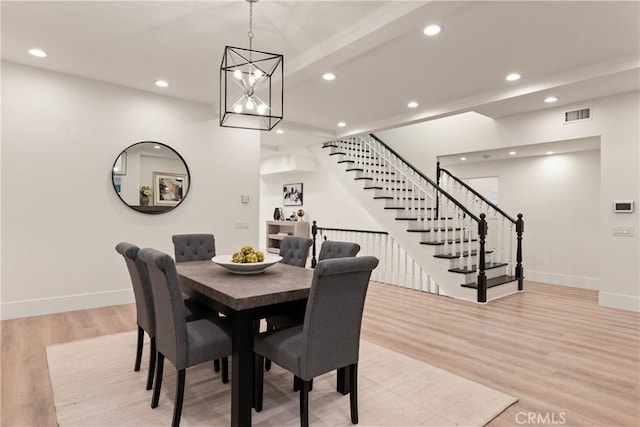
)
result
[(250, 104), (237, 74), (262, 108), (258, 74), (238, 108)]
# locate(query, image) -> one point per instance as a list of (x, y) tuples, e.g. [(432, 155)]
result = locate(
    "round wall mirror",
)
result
[(151, 177)]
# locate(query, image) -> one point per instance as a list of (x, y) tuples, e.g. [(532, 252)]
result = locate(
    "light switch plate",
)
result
[(623, 231), (242, 225)]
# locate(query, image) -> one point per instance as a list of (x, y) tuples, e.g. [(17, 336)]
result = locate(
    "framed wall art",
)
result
[(168, 188), (292, 194)]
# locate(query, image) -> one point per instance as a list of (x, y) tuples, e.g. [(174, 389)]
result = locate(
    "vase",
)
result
[(144, 200)]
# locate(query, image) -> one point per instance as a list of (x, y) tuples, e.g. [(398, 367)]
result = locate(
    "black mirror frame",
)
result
[(152, 210)]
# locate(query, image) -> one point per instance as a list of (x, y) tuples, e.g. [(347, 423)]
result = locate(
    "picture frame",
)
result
[(292, 194), (168, 188)]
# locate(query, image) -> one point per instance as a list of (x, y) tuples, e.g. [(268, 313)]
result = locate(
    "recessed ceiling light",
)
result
[(512, 153), (342, 124), (280, 131), (550, 99), (549, 152), (162, 83), (463, 158), (329, 76), (432, 30), (513, 77), (412, 104), (38, 52), (157, 147)]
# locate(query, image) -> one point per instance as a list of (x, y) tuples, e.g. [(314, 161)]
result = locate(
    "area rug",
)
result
[(94, 385)]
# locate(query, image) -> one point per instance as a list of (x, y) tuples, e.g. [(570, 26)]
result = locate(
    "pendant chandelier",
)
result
[(251, 86)]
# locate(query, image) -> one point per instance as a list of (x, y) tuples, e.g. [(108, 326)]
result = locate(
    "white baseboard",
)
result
[(41, 306), (623, 302), (563, 279)]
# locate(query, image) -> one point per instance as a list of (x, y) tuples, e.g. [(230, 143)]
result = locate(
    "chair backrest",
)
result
[(141, 286), (294, 250), (194, 247), (171, 326), (331, 249), (332, 321)]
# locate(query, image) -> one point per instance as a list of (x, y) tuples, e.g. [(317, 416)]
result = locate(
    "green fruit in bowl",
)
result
[(247, 255)]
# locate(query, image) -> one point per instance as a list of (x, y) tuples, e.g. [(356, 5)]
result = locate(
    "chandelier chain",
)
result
[(250, 34)]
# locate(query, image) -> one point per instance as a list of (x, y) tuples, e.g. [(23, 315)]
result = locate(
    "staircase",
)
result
[(468, 246)]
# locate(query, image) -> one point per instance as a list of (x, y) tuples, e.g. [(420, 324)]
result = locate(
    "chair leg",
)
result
[(216, 365), (259, 382), (297, 382), (139, 349), (177, 406), (225, 370), (152, 363), (267, 362), (353, 394), (304, 403), (158, 384)]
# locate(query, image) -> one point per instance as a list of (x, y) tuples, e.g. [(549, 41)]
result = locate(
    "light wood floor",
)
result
[(569, 361)]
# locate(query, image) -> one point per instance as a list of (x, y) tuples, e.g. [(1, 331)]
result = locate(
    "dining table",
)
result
[(245, 299)]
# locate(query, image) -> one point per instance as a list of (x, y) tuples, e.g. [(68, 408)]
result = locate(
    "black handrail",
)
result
[(352, 230), (436, 186), (474, 192)]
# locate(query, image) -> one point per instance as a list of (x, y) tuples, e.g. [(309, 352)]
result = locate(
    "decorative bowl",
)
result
[(246, 268)]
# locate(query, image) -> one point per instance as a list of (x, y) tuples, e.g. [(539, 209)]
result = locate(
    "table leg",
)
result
[(343, 384), (242, 370)]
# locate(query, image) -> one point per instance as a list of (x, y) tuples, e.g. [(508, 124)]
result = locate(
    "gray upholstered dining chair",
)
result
[(185, 344), (294, 250), (193, 247), (332, 249), (329, 338), (329, 249), (145, 315)]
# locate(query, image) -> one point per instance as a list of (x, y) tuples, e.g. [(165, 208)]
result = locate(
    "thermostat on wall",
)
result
[(623, 207)]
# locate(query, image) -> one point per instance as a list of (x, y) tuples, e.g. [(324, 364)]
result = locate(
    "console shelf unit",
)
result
[(278, 230)]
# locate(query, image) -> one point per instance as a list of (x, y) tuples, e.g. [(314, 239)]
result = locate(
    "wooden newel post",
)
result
[(482, 277), (314, 233), (519, 271)]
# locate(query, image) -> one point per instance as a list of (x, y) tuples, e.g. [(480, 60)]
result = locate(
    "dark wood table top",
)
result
[(279, 283)]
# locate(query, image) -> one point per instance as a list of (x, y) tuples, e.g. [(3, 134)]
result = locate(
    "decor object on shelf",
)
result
[(292, 194), (251, 86), (300, 213), (168, 188), (246, 268), (278, 215), (145, 193), (143, 159)]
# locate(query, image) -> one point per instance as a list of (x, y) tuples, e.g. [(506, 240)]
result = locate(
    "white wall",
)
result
[(60, 215), (559, 197), (615, 121), (325, 201)]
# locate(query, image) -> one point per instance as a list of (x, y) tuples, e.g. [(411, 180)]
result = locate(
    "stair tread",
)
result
[(487, 266), (494, 281), (400, 198), (442, 242), (458, 254), (428, 230), (428, 219), (377, 187)]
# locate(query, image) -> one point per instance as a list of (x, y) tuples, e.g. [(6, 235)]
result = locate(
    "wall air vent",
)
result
[(577, 115)]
